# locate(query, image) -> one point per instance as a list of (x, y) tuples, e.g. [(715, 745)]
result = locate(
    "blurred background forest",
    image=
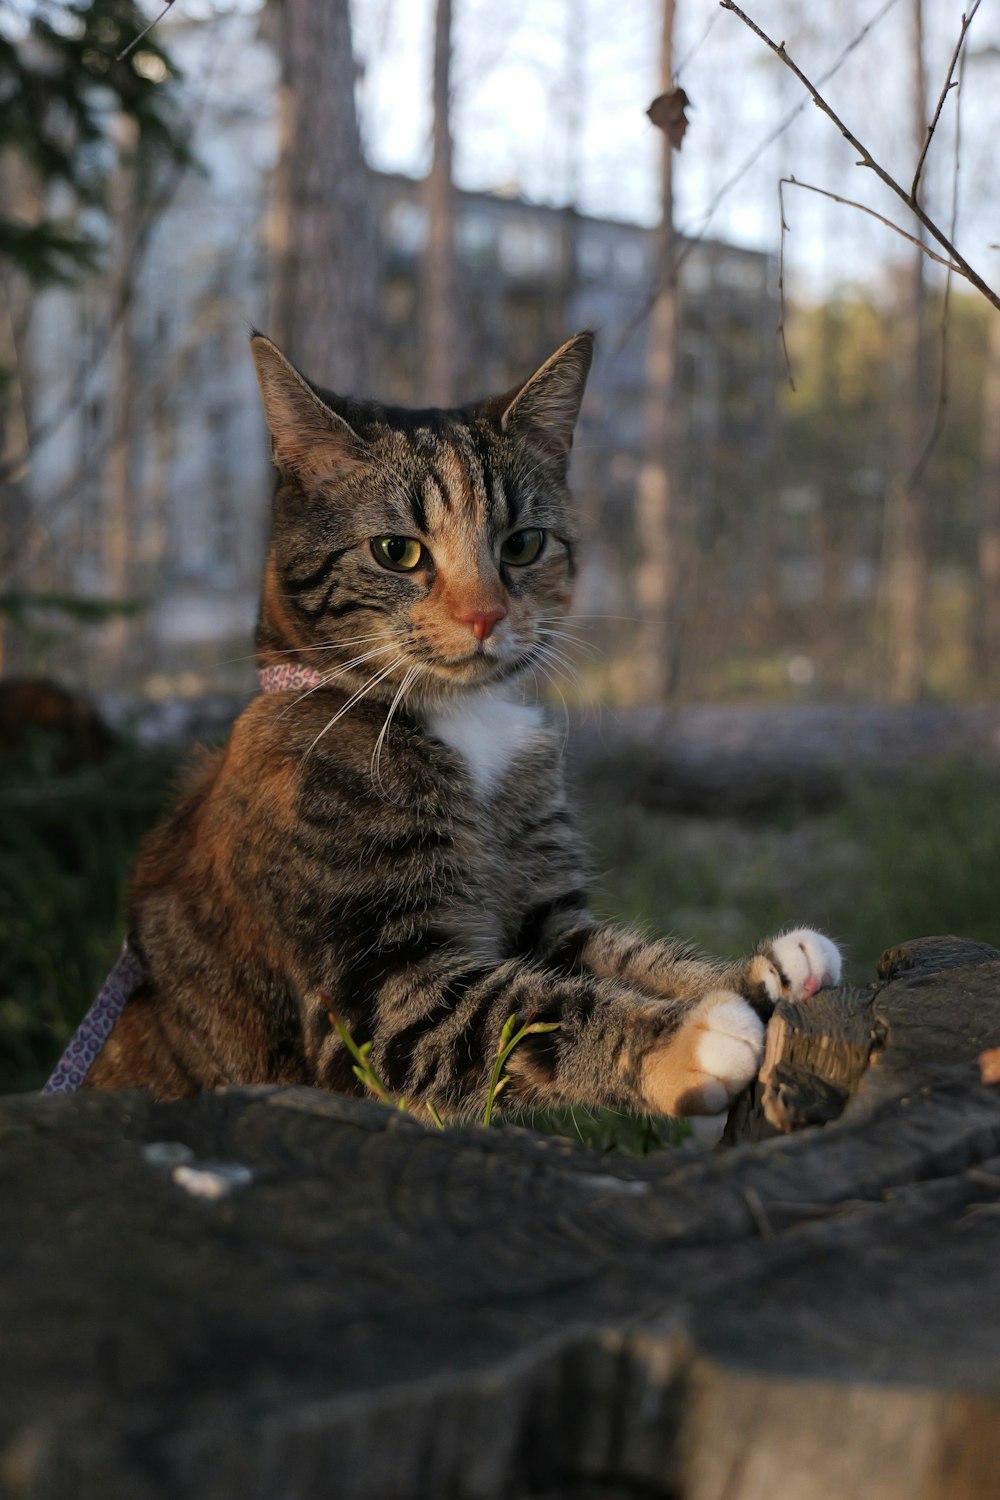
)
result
[(420, 201)]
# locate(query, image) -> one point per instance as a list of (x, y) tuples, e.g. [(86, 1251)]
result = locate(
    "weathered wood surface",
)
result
[(376, 1309)]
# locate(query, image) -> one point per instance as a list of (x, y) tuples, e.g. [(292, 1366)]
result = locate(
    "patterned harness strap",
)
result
[(98, 1024)]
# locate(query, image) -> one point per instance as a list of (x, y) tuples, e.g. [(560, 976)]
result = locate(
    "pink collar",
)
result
[(288, 678)]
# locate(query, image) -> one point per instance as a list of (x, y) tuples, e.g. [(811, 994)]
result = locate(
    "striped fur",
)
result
[(396, 844)]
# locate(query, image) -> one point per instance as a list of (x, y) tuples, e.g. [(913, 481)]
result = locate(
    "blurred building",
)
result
[(153, 481)]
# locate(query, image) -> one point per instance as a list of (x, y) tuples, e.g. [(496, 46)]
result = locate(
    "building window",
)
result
[(476, 237), (592, 258), (630, 263), (527, 249), (742, 272), (406, 227)]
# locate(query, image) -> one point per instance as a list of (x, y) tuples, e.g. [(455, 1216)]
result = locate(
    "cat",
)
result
[(385, 841)]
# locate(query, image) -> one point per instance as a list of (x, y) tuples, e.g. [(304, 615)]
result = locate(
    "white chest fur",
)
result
[(488, 732)]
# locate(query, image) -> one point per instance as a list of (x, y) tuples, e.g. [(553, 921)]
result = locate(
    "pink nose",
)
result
[(481, 620)]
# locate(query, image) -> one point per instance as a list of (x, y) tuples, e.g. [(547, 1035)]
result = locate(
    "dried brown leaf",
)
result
[(667, 113)]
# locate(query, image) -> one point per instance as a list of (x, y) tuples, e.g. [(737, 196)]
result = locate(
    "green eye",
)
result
[(400, 553), (522, 547)]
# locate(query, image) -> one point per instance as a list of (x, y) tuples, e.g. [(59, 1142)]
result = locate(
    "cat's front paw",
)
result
[(714, 1054), (794, 965)]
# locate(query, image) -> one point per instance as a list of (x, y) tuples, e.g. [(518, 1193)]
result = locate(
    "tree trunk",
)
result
[(905, 561), (988, 580), (656, 573), (324, 233), (118, 508), (439, 320)]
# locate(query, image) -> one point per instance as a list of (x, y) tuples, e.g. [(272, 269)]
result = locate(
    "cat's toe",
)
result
[(796, 964), (708, 1061)]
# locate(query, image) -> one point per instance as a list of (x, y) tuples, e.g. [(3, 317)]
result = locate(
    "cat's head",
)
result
[(438, 544)]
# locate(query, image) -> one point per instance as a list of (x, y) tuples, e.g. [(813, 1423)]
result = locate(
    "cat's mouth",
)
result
[(477, 667)]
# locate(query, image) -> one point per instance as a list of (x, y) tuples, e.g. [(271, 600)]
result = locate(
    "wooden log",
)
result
[(264, 1293)]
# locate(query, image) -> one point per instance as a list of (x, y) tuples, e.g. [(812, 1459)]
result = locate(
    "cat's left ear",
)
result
[(547, 406), (308, 439)]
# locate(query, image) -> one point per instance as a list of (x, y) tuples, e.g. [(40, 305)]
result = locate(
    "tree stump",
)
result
[(269, 1293)]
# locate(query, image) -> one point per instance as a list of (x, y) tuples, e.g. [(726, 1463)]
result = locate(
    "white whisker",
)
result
[(411, 676), (362, 692), (338, 645), (328, 677)]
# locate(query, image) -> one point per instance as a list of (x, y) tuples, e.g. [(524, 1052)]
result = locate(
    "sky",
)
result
[(549, 100), (549, 97)]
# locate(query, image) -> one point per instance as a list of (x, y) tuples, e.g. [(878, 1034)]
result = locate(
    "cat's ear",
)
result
[(308, 439), (546, 407)]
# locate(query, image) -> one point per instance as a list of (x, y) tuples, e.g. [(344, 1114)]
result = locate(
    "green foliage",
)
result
[(362, 1068), (68, 843), (18, 607), (510, 1036), (61, 88), (607, 1130), (897, 860), (42, 618)]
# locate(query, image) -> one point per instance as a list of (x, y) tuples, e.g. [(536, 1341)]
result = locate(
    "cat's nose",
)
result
[(481, 620)]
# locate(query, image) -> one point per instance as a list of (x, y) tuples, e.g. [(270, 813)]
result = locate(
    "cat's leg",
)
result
[(436, 1027), (791, 966), (717, 1048)]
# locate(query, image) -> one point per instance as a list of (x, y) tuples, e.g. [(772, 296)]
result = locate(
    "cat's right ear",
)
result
[(308, 440)]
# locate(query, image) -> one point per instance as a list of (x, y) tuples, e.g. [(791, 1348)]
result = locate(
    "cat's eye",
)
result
[(400, 553), (522, 547)]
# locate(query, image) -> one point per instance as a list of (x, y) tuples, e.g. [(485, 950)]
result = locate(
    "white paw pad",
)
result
[(729, 1049), (802, 962)]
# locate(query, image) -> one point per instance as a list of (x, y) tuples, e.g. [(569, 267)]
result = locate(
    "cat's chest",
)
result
[(489, 735)]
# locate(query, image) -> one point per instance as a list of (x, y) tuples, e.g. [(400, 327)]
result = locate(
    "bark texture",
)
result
[(284, 1292), (323, 228), (440, 362)]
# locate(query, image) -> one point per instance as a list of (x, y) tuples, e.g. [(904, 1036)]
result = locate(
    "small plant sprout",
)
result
[(509, 1039), (365, 1073), (362, 1068)]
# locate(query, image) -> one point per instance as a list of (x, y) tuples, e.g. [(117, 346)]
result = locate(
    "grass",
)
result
[(893, 862), (68, 841)]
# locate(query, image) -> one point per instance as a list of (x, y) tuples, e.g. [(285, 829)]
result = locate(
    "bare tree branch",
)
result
[(143, 34), (690, 240), (852, 203), (937, 427), (946, 90), (781, 284), (960, 264), (159, 200)]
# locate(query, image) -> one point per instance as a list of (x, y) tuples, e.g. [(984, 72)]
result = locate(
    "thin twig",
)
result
[(143, 34), (693, 52), (852, 203), (693, 238), (961, 265), (937, 426), (946, 90), (781, 283), (149, 218)]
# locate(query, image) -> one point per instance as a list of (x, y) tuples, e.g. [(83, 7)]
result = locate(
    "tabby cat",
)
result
[(387, 840)]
